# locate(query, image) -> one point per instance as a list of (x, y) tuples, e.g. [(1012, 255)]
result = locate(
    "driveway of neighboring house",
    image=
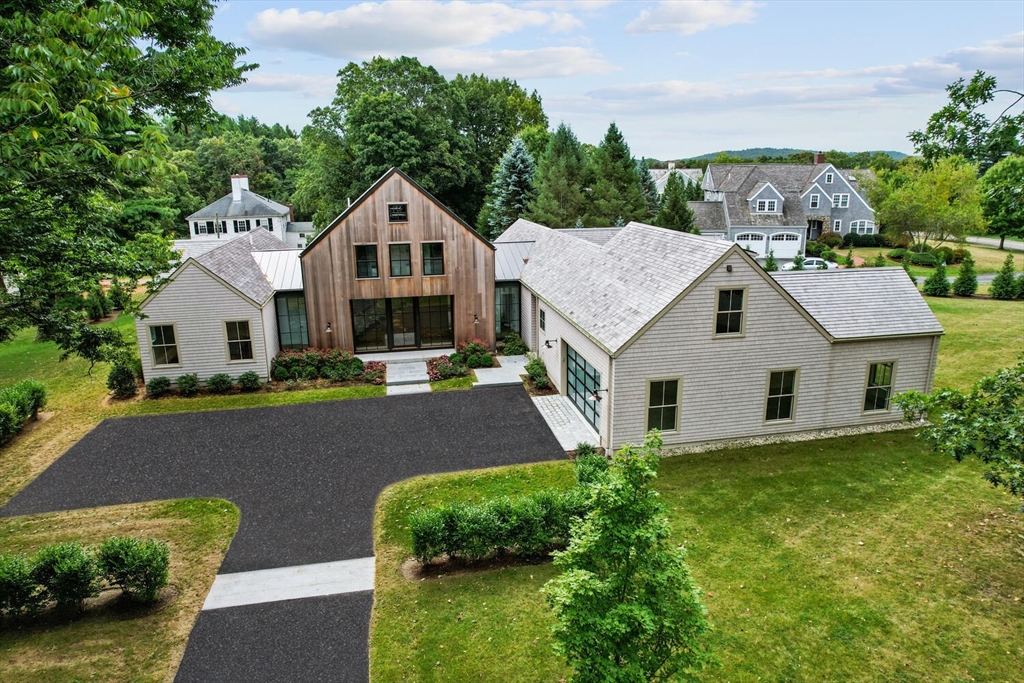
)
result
[(306, 478)]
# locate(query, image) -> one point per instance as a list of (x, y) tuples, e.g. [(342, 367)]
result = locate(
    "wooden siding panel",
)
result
[(197, 305)]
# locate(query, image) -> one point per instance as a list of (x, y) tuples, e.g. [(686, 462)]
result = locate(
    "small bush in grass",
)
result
[(249, 381), (879, 261), (29, 396), (831, 239), (158, 386), (921, 259), (10, 422), (943, 254), (535, 368), (1020, 286), (1004, 285), (848, 259), (188, 385), (19, 591), (966, 283), (139, 568), (958, 256), (897, 254), (67, 573), (121, 381), (830, 255), (514, 345), (219, 383), (919, 248), (814, 248), (937, 284)]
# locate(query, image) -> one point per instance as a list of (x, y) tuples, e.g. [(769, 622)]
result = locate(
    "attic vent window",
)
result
[(398, 213)]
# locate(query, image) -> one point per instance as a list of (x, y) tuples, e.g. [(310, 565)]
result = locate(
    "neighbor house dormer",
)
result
[(765, 199)]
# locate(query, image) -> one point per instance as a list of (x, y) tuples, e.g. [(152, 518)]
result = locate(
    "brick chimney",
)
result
[(238, 183), (819, 157)]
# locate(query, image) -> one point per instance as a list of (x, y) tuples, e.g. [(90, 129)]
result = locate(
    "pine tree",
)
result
[(966, 283), (937, 283), (798, 262), (848, 259), (692, 191), (1003, 286), (578, 225), (511, 190), (770, 264), (906, 269), (560, 181), (617, 190), (675, 213), (649, 187)]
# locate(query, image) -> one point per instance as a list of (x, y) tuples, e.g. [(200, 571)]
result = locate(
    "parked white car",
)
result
[(812, 263)]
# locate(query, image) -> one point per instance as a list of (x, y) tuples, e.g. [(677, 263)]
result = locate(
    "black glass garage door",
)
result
[(582, 383)]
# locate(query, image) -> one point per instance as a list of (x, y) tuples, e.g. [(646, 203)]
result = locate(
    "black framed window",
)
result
[(729, 316), (876, 397), (506, 308), (239, 340), (781, 395), (164, 344), (291, 321), (435, 316), (366, 260), (542, 321), (370, 324), (583, 382), (398, 213), (242, 225), (433, 258), (663, 405), (401, 260)]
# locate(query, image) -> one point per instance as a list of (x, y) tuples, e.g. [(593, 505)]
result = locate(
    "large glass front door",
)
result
[(403, 322)]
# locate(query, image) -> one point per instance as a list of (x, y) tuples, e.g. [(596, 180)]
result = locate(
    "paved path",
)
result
[(509, 372), (565, 421), (306, 478), (290, 583)]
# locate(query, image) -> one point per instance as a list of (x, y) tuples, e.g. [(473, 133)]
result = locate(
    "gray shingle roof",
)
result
[(598, 236), (251, 204), (612, 291), (234, 263), (510, 259), (660, 176), (857, 303), (709, 216)]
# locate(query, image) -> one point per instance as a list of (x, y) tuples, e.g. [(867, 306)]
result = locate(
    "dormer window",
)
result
[(829, 177), (766, 205)]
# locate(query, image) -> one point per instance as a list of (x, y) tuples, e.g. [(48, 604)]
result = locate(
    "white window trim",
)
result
[(743, 314), (892, 386), (815, 202), (405, 204), (177, 345), (829, 178), (837, 225), (796, 396), (227, 347), (679, 402)]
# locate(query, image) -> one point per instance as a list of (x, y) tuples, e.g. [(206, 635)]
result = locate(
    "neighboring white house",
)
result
[(240, 213), (229, 310), (686, 333), (689, 176)]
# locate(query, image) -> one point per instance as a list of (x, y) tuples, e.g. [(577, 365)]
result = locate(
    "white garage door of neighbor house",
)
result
[(753, 242), (786, 245)]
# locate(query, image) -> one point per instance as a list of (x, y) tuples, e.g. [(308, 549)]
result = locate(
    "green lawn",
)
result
[(986, 260), (855, 559)]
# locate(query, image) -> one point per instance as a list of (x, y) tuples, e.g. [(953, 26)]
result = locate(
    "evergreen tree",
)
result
[(617, 190), (578, 225), (966, 283), (770, 264), (675, 213), (848, 259), (561, 175), (511, 190), (1020, 286), (1003, 286), (937, 283), (798, 262), (906, 269), (692, 191), (649, 187)]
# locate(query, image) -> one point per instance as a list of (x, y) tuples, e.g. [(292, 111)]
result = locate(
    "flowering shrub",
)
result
[(445, 367), (475, 353), (373, 372), (336, 365)]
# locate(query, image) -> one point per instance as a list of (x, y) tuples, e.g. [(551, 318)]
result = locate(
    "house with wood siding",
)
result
[(688, 334)]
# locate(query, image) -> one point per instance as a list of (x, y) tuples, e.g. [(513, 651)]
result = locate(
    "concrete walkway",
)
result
[(565, 421), (290, 583), (407, 372), (510, 372)]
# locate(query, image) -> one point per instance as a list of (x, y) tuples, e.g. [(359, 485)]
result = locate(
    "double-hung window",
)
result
[(242, 225), (663, 404), (401, 259), (366, 261), (815, 201), (828, 178), (841, 201), (879, 386), (239, 340), (729, 312), (766, 205), (433, 258), (781, 400), (837, 225), (164, 344)]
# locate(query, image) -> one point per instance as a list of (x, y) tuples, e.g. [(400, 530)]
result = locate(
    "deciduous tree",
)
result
[(1002, 189)]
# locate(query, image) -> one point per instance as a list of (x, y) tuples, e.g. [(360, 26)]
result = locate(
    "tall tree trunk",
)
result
[(1002, 238)]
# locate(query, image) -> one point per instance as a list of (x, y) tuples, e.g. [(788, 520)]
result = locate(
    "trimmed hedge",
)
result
[(139, 568), (922, 259), (67, 573), (19, 592), (158, 386), (897, 254), (19, 402), (219, 383), (336, 365), (852, 239)]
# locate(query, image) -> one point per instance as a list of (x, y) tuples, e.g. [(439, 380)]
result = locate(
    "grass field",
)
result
[(856, 559), (116, 641), (985, 261)]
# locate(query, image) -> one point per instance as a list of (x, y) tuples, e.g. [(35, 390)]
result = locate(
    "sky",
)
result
[(679, 78)]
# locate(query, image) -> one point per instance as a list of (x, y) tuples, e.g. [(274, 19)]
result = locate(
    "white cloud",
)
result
[(224, 104), (308, 85), (567, 5), (687, 18), (546, 62), (391, 28), (1005, 53)]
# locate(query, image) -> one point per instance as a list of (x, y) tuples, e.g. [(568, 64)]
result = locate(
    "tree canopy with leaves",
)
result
[(1002, 189), (562, 175), (81, 87), (617, 193)]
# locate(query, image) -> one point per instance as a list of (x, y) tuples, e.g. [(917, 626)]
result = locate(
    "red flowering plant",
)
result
[(475, 354), (444, 367), (374, 371)]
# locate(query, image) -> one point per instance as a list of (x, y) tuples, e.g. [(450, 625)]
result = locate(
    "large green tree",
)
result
[(511, 191), (675, 213), (961, 128), (562, 175), (628, 610), (81, 85), (649, 188), (617, 194), (1002, 189)]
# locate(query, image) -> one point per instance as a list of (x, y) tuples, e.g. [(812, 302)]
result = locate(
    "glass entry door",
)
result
[(402, 320)]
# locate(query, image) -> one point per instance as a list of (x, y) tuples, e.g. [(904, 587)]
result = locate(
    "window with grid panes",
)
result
[(366, 260), (239, 340), (433, 258), (781, 395), (164, 344), (729, 316), (663, 405), (876, 396)]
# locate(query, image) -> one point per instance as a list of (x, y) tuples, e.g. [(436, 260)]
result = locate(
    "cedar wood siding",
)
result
[(724, 379), (197, 305), (329, 267)]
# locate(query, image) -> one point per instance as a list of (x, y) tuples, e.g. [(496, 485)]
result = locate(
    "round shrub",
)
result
[(219, 383), (310, 373), (958, 256), (514, 345), (281, 374), (158, 386), (922, 259), (829, 255), (121, 381), (139, 568), (831, 239), (19, 592), (249, 381), (67, 573), (919, 248), (944, 254), (814, 248), (896, 254), (188, 385), (479, 360)]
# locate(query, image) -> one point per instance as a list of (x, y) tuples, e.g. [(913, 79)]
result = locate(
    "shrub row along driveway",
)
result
[(306, 478)]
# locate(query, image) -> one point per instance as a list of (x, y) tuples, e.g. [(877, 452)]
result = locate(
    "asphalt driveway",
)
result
[(306, 478)]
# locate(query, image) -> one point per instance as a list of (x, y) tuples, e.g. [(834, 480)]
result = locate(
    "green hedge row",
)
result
[(68, 573), (18, 403)]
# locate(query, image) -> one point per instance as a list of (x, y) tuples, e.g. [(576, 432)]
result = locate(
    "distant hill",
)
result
[(755, 152)]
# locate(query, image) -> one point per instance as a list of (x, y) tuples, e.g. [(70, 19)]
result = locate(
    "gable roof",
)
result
[(251, 204), (234, 263), (861, 303), (394, 170), (689, 175), (709, 216)]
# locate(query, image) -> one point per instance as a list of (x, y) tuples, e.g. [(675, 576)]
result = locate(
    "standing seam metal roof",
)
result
[(235, 264)]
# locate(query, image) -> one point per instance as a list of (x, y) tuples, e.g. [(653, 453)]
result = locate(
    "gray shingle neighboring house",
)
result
[(687, 175), (640, 332)]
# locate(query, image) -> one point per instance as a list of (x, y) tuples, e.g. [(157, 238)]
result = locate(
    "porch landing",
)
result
[(414, 356)]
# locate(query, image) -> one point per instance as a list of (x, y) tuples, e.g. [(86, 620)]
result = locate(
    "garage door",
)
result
[(785, 245), (583, 381)]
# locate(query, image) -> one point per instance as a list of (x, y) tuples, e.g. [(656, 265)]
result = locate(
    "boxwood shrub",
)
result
[(922, 259), (897, 254), (188, 385), (219, 383), (814, 248), (67, 574), (121, 381), (514, 345), (249, 381), (139, 568), (19, 402), (333, 364), (158, 386), (19, 591), (944, 254)]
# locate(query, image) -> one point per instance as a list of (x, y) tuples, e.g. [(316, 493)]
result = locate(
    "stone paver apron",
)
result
[(306, 479)]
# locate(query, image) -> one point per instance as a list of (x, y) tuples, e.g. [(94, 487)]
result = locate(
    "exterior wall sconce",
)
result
[(547, 343), (728, 267), (596, 395), (476, 319), (328, 330)]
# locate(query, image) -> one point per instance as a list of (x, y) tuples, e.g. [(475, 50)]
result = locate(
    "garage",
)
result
[(582, 384), (754, 242), (786, 245)]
